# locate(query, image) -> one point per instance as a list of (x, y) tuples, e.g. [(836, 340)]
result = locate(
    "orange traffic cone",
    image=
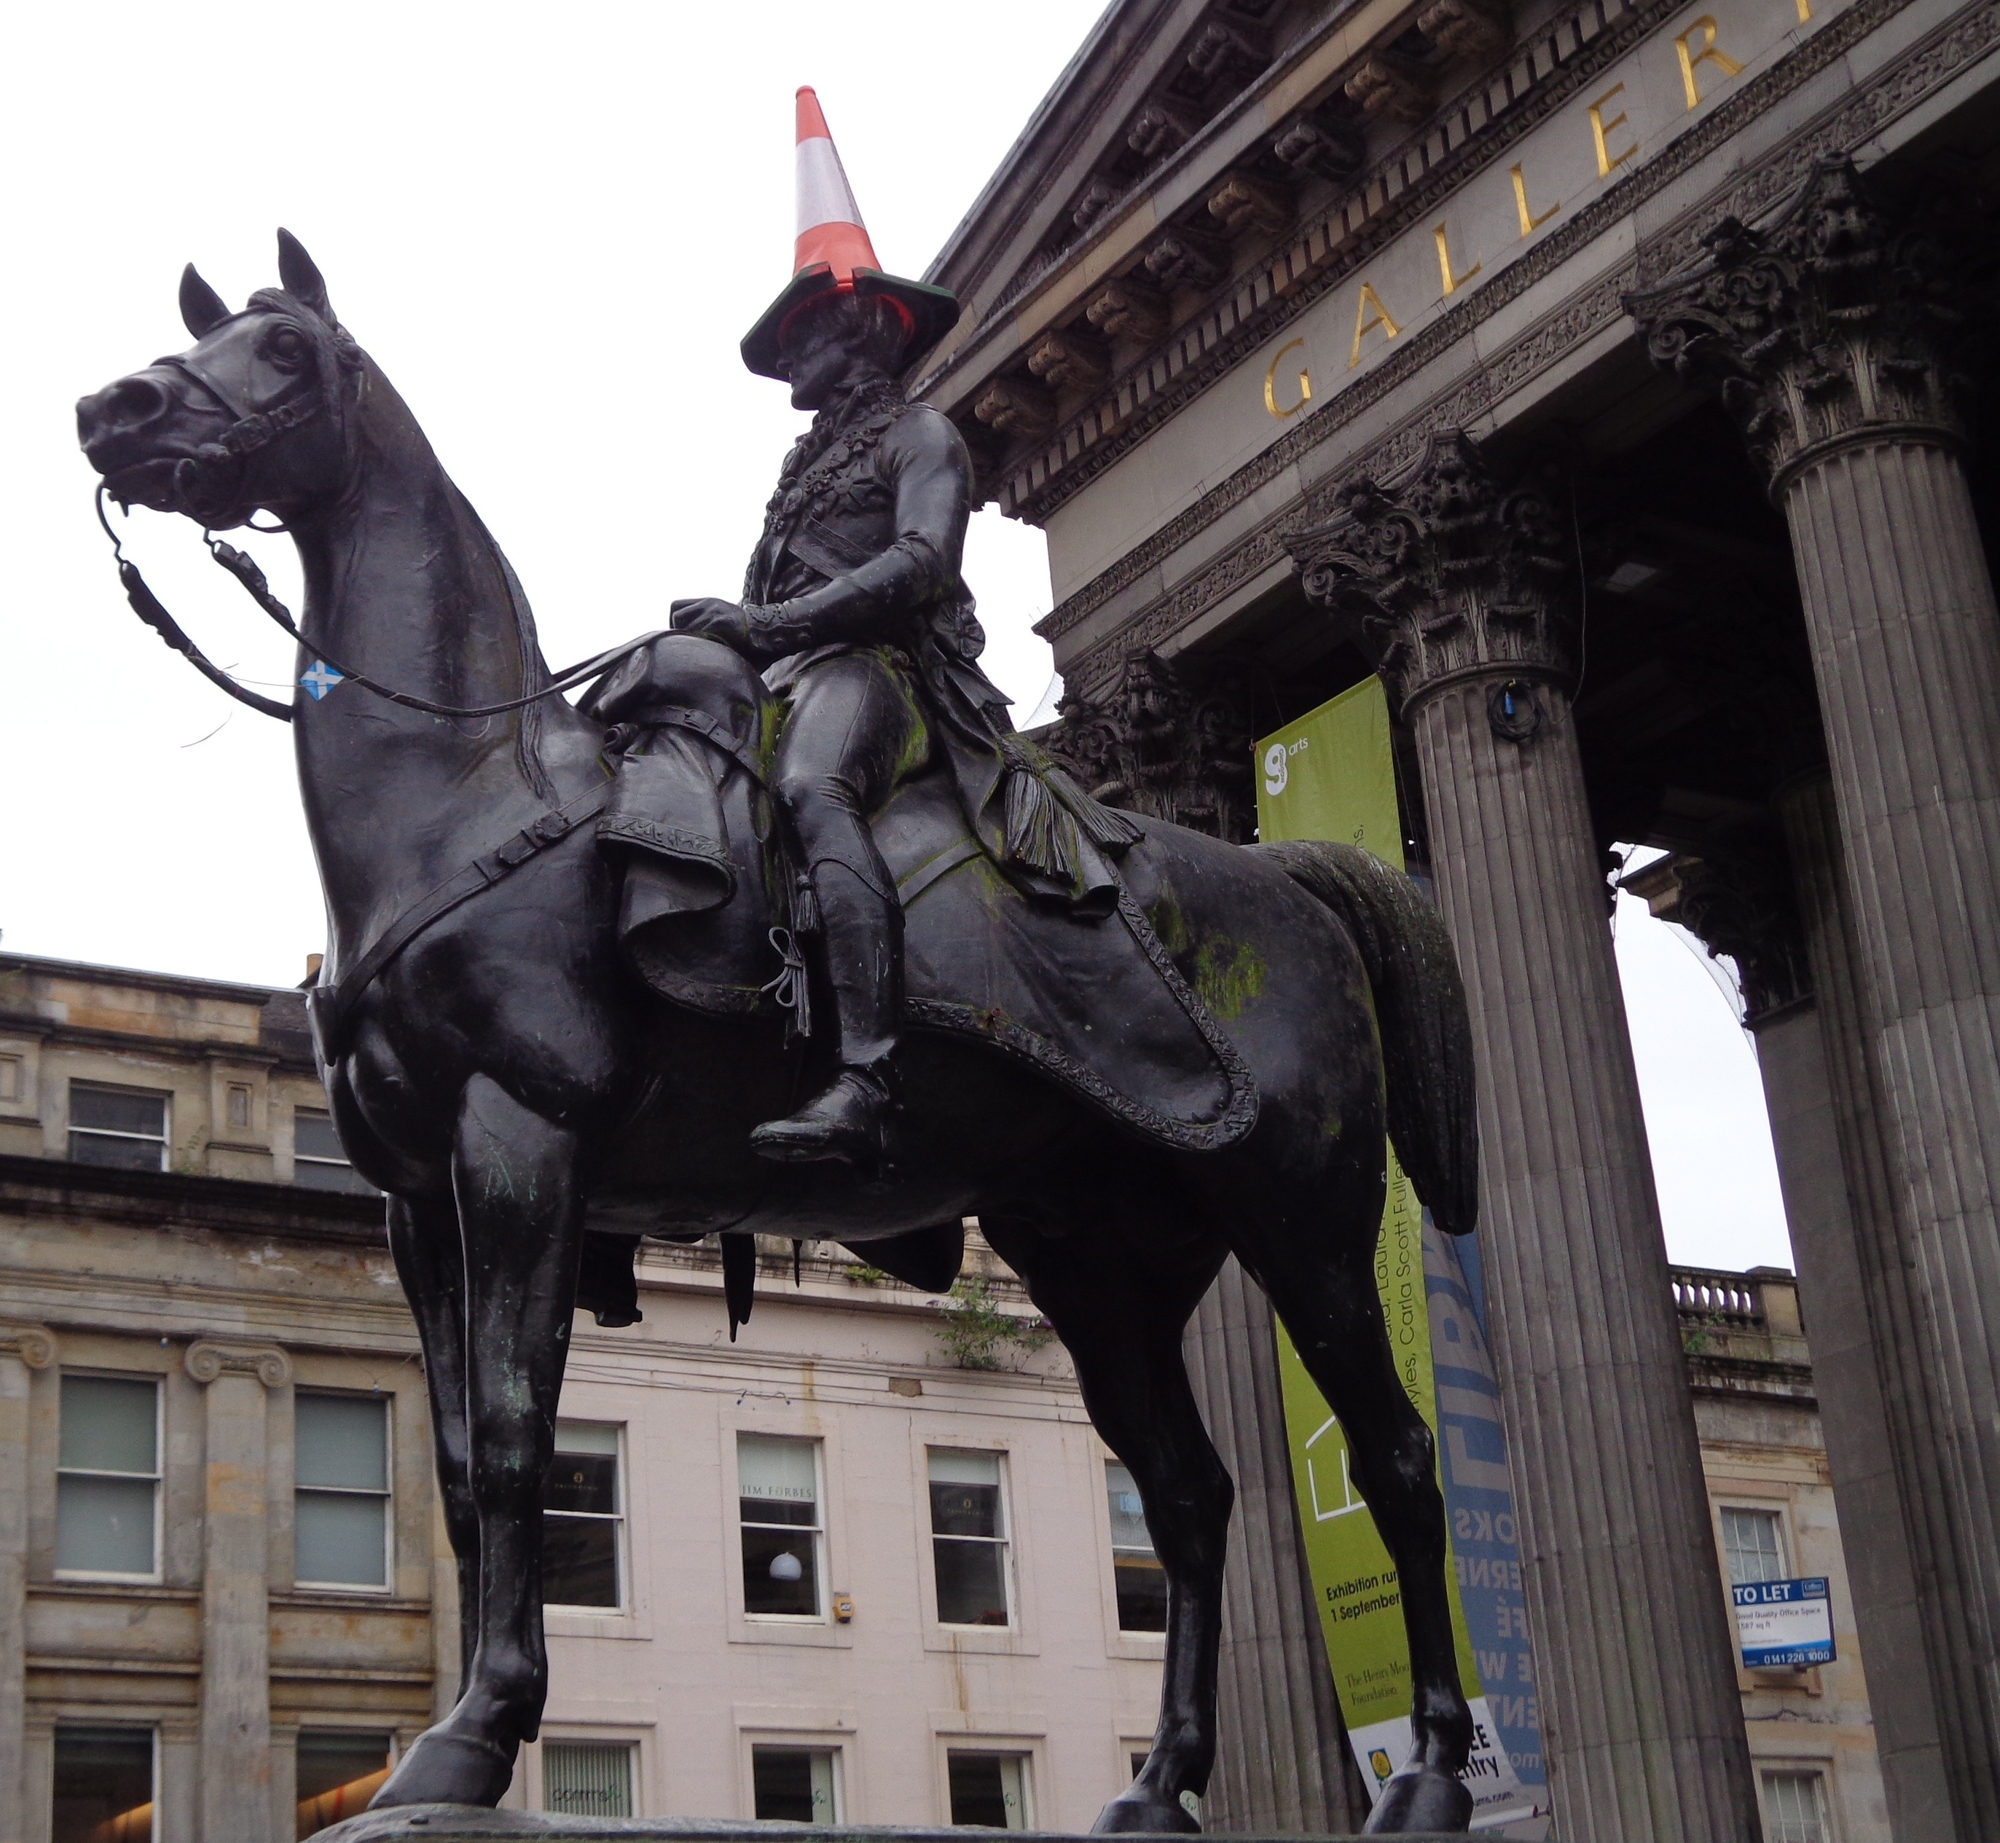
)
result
[(833, 254)]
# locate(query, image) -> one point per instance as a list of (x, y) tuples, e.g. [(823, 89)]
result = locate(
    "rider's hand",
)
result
[(713, 618)]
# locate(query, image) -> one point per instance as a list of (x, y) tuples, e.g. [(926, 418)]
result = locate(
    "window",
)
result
[(123, 1128), (778, 1502), (1750, 1546), (340, 1770), (794, 1784), (340, 1510), (968, 1538), (587, 1778), (1795, 1808), (1142, 1582), (988, 1789), (582, 1507), (108, 1477), (318, 1161), (103, 1786)]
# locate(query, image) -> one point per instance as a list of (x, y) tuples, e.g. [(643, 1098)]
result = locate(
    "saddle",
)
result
[(1091, 1002)]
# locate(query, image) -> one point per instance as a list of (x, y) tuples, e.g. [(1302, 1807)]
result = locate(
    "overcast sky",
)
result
[(550, 226)]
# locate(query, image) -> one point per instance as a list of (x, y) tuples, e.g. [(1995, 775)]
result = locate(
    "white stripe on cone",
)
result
[(825, 197)]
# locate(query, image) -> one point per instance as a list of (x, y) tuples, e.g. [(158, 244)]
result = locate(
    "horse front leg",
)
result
[(520, 1213), (430, 1262)]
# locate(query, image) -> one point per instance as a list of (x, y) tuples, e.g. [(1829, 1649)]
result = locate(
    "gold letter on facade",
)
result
[(1452, 282), (1364, 322), (1271, 384), (1708, 54), (1599, 128), (1528, 219)]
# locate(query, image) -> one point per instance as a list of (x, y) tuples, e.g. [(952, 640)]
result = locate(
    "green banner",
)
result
[(1331, 775)]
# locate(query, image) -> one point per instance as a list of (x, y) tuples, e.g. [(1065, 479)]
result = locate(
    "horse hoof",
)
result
[(449, 1769), (1424, 1798), (1129, 1814)]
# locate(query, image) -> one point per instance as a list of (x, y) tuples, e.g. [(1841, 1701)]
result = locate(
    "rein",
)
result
[(150, 609)]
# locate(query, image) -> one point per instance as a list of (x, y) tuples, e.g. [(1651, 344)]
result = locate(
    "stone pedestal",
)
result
[(1461, 586), (462, 1824), (22, 1348), (1828, 332), (235, 1791), (1282, 1759)]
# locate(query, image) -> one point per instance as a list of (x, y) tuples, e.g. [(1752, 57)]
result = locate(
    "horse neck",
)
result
[(404, 584)]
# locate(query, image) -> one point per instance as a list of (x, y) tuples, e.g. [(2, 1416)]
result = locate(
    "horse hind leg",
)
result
[(1121, 1320), (1326, 1295)]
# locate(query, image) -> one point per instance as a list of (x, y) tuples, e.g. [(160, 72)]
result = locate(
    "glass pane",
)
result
[(119, 1110), (104, 1525), (587, 1779), (117, 1154), (313, 1135), (579, 1561), (1128, 1513), (340, 1541), (1142, 1593), (586, 1437), (343, 1440), (103, 1786), (777, 1479), (582, 1482), (1794, 1809), (338, 1774), (780, 1573), (971, 1582), (965, 1510), (949, 1468), (986, 1790), (793, 1784), (1750, 1545), (109, 1425), (331, 1177)]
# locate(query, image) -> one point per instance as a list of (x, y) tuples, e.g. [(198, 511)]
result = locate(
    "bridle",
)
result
[(256, 428)]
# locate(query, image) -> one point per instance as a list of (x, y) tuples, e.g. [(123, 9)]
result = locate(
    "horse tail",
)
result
[(1421, 1011)]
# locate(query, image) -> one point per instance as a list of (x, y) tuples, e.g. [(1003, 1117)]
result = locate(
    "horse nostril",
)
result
[(129, 404)]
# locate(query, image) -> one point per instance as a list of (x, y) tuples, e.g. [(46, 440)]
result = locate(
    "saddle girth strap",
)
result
[(331, 1006)]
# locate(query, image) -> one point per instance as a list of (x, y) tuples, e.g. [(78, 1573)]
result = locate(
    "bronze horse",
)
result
[(498, 1064)]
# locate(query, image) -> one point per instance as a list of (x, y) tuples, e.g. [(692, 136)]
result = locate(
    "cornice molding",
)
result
[(1860, 115), (173, 1199)]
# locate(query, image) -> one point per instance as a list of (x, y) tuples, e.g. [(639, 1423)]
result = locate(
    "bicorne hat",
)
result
[(833, 255)]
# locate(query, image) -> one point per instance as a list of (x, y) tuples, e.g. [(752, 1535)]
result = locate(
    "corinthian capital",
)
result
[(1823, 326), (1448, 573)]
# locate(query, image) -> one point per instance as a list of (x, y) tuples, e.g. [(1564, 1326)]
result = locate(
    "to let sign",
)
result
[(1784, 1624)]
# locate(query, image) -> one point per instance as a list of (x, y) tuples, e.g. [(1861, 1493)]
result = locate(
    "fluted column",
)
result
[(1282, 1763), (235, 1789), (1461, 588), (1831, 340), (22, 1348)]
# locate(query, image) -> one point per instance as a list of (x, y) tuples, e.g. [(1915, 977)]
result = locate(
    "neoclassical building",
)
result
[(1607, 376)]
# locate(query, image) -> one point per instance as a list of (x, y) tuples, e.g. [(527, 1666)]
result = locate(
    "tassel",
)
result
[(1040, 833)]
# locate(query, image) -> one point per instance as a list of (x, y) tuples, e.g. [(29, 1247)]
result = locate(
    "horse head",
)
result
[(251, 417)]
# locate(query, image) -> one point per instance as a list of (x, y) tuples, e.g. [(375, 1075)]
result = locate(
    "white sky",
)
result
[(550, 226)]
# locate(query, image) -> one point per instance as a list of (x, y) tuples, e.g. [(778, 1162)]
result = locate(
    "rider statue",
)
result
[(854, 609)]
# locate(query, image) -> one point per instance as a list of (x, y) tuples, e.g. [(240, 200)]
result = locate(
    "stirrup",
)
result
[(843, 1122)]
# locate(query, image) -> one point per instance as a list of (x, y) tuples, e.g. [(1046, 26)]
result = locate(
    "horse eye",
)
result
[(287, 347)]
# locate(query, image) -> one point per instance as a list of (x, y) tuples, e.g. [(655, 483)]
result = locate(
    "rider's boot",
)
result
[(861, 934)]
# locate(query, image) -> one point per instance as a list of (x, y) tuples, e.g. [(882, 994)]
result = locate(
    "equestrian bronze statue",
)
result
[(781, 930)]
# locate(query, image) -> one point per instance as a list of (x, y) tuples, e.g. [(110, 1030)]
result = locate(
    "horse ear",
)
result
[(201, 306), (301, 276)]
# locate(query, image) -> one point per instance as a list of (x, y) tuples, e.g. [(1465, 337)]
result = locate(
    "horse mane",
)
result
[(336, 351)]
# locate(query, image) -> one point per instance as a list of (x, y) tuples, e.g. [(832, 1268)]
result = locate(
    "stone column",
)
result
[(1461, 588), (235, 1791), (1282, 1762), (22, 1348), (1830, 339)]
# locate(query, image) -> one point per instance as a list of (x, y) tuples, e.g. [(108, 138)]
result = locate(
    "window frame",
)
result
[(360, 1187), (1776, 1515), (980, 1747), (822, 1591), (1821, 1776), (628, 1745), (150, 1729), (155, 1575), (301, 1734), (1009, 1581), (1150, 1552), (830, 1751), (387, 1494), (164, 1096), (618, 1519)]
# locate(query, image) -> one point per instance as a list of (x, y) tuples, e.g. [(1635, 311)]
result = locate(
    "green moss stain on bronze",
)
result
[(1228, 975), (1168, 921), (1334, 1127)]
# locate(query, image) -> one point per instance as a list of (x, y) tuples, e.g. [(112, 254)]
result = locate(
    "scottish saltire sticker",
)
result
[(321, 679)]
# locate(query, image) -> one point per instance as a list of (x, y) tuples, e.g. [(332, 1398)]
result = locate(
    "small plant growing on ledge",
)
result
[(977, 1333)]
